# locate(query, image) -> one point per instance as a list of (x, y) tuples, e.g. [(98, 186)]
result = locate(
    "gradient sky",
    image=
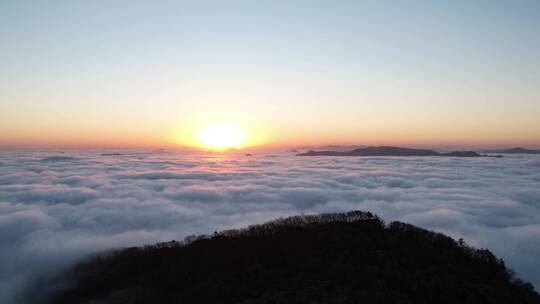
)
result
[(149, 73)]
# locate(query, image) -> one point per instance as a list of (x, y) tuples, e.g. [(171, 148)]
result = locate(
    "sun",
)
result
[(221, 136)]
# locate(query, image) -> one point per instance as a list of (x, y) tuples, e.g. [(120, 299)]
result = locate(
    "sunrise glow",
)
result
[(221, 136)]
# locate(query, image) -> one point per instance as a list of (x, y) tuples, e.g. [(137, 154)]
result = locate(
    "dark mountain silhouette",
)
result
[(332, 147), (390, 151), (517, 150), (330, 258), (462, 154)]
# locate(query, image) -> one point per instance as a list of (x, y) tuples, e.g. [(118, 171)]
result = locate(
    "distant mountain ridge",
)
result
[(516, 150), (390, 151), (341, 148)]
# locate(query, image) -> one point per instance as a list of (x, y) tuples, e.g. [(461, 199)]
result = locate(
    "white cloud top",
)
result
[(55, 208)]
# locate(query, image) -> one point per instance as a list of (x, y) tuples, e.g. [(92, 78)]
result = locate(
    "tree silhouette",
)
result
[(348, 257)]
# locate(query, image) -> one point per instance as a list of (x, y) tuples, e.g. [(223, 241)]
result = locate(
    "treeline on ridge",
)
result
[(351, 257)]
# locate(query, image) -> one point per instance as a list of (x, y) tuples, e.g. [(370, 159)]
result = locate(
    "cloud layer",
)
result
[(55, 208)]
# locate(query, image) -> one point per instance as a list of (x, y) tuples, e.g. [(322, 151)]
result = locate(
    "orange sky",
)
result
[(151, 75)]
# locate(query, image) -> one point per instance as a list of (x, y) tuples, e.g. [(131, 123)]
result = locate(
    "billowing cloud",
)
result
[(55, 208)]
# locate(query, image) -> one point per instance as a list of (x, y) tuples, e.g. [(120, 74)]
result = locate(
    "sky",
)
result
[(287, 73)]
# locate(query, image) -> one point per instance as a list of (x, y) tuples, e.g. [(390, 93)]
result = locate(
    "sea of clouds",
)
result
[(57, 207)]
